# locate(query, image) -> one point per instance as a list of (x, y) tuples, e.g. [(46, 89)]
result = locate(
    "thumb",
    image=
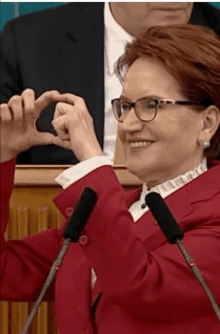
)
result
[(48, 138), (44, 138)]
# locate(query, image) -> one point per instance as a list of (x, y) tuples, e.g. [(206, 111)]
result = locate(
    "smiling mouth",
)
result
[(172, 9), (139, 144)]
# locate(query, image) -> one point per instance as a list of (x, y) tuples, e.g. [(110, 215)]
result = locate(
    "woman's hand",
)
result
[(74, 126), (18, 123)]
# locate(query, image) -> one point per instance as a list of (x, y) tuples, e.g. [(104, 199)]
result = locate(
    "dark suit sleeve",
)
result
[(11, 82)]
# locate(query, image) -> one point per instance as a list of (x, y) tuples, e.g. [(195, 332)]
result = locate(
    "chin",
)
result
[(136, 169)]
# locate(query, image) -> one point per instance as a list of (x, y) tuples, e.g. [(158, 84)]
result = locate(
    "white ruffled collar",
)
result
[(170, 186), (165, 189)]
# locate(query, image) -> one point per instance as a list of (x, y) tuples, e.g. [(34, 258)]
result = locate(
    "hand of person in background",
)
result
[(74, 126), (18, 123)]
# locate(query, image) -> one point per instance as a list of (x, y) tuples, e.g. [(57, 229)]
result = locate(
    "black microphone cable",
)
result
[(74, 228), (174, 235)]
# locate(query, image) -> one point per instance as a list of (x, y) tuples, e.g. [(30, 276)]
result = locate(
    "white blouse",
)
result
[(165, 189)]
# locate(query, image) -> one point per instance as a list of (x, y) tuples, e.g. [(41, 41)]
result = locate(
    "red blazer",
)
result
[(146, 285)]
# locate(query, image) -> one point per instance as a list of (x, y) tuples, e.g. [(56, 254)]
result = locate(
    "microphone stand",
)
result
[(73, 230), (174, 234), (199, 277), (52, 273)]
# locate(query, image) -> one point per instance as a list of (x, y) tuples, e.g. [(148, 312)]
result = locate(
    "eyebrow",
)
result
[(124, 97), (147, 97)]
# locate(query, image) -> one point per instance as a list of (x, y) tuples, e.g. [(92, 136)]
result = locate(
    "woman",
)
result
[(168, 115)]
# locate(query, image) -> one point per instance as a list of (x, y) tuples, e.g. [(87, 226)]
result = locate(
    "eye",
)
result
[(151, 104), (148, 104), (125, 106)]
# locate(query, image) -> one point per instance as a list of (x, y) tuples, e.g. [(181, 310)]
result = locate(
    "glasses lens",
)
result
[(120, 109), (146, 109)]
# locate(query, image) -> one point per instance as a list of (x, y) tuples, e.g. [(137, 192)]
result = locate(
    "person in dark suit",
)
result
[(122, 276), (63, 49)]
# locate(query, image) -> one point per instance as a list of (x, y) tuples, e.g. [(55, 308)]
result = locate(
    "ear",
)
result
[(210, 119)]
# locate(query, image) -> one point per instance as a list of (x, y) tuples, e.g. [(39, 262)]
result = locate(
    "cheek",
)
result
[(173, 126), (121, 133), (167, 127), (120, 145), (178, 135)]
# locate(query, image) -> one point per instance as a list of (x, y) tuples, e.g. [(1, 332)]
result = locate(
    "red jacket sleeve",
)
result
[(25, 263)]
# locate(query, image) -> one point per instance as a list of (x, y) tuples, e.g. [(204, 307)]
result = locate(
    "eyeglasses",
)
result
[(146, 108)]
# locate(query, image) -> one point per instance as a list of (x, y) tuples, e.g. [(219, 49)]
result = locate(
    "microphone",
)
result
[(164, 217), (73, 230), (174, 234), (80, 215)]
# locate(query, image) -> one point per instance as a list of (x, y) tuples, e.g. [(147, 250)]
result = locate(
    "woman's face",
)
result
[(174, 147)]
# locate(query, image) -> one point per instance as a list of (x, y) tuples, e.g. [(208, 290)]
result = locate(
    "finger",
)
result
[(28, 97), (45, 99), (16, 108), (5, 113), (79, 108), (72, 99), (69, 98), (60, 127), (63, 143), (44, 138), (62, 109)]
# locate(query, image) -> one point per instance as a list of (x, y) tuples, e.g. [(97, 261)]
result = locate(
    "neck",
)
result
[(201, 164), (136, 18)]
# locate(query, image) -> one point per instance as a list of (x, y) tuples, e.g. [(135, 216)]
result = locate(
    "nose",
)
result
[(131, 122)]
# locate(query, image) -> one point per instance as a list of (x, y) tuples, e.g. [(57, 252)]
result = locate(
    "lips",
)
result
[(170, 9), (140, 143)]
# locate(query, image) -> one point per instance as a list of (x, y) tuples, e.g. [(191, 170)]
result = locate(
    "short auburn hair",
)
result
[(191, 54)]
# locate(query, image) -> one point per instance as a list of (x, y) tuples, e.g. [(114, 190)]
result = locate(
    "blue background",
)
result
[(9, 10)]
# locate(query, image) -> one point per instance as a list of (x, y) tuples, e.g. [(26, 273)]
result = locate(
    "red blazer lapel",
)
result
[(181, 204)]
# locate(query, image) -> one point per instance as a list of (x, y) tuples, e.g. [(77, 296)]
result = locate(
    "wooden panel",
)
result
[(28, 215), (44, 175), (31, 211), (4, 317)]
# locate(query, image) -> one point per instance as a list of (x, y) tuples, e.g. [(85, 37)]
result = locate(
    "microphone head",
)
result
[(81, 214), (164, 217)]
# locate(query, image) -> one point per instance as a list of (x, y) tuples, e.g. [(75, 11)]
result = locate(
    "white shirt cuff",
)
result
[(75, 173)]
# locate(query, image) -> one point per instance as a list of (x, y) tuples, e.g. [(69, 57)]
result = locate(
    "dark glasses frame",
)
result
[(158, 102)]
